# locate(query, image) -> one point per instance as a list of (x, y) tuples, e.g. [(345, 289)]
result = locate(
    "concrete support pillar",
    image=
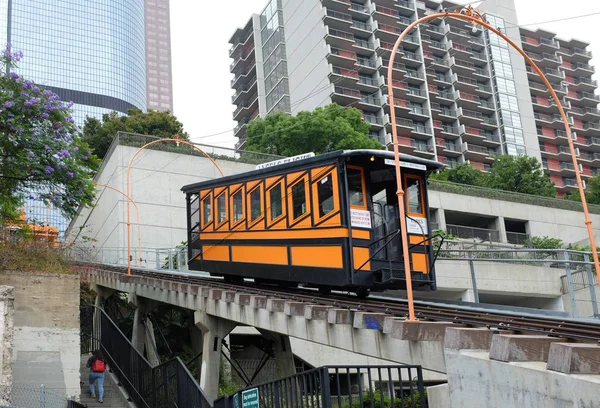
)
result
[(282, 350), (441, 219), (213, 329), (501, 227), (468, 296), (142, 332), (197, 345)]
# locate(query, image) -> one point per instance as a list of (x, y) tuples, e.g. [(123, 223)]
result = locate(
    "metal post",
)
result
[(42, 396), (178, 259), (157, 259), (590, 276), (570, 284), (170, 256), (473, 279)]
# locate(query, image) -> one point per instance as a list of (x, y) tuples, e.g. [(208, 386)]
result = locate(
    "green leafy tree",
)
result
[(323, 130), (42, 153), (461, 174), (592, 191), (522, 174), (100, 134)]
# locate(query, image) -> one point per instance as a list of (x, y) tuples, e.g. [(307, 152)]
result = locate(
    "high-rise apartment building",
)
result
[(462, 94), (158, 55)]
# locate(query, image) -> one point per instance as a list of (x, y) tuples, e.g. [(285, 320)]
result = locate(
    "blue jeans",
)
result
[(100, 378)]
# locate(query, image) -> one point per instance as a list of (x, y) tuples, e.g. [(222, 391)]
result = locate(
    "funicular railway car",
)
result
[(328, 221)]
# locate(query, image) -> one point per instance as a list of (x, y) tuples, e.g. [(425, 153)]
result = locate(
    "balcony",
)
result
[(363, 27), (342, 58), (373, 120), (463, 82), (339, 38), (368, 64), (359, 9), (342, 19), (244, 90), (347, 94), (570, 183), (436, 32), (545, 60), (422, 131), (245, 107), (582, 83), (583, 67), (448, 148), (463, 67), (345, 73), (385, 15), (482, 72), (586, 98), (364, 44), (241, 126), (469, 117), (476, 43), (370, 102), (471, 151)]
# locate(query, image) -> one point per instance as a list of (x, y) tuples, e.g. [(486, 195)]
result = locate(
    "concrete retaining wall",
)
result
[(7, 298), (46, 344)]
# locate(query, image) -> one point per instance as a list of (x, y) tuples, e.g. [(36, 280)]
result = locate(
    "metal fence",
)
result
[(483, 234), (145, 258), (337, 386), (31, 396), (168, 385)]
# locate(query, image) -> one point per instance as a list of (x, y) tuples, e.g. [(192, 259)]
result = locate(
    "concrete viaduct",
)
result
[(483, 366)]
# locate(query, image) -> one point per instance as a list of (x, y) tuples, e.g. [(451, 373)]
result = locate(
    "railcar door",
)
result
[(387, 262)]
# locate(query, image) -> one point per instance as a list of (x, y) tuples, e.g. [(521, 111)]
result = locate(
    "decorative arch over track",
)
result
[(474, 17)]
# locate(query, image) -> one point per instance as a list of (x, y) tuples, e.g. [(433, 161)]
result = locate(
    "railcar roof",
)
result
[(325, 157)]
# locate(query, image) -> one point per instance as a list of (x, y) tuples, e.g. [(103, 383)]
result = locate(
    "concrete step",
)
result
[(113, 395)]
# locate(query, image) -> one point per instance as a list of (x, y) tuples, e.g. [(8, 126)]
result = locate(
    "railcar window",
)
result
[(299, 199), (238, 211), (195, 214), (221, 208), (355, 187), (255, 204), (325, 193), (275, 197), (413, 185), (207, 210)]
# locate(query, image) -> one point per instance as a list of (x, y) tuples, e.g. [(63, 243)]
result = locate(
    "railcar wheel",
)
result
[(325, 291), (362, 293)]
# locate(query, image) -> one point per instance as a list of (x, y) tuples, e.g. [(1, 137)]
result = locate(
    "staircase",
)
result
[(113, 397)]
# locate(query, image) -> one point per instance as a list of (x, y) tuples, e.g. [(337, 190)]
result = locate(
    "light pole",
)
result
[(176, 139), (474, 17)]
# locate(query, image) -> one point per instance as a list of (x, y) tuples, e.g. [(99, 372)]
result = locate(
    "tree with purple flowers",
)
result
[(41, 152)]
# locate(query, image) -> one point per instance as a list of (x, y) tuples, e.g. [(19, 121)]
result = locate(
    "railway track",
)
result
[(574, 330)]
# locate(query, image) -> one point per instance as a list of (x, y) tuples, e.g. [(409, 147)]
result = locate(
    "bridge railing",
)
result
[(146, 258), (168, 385), (336, 387)]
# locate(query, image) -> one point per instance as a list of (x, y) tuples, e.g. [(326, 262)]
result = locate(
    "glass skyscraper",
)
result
[(104, 55), (90, 52)]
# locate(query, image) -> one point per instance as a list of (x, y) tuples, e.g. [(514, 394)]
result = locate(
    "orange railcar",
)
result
[(329, 221)]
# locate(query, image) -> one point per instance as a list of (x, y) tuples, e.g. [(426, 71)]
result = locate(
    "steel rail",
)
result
[(498, 320)]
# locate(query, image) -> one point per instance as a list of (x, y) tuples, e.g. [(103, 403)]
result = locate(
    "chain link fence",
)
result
[(31, 396)]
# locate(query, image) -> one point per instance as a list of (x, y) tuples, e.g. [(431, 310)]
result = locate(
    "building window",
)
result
[(221, 209), (355, 187), (275, 201), (255, 204), (325, 195), (206, 211), (238, 209), (298, 199)]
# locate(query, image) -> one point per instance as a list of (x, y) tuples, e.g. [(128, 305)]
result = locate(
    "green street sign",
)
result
[(236, 402), (250, 398)]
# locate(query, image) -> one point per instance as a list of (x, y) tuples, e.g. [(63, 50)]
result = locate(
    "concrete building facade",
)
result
[(462, 94), (159, 79)]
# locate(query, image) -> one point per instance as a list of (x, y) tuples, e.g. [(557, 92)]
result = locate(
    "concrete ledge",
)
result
[(466, 338), (438, 396), (370, 321), (228, 296), (242, 299), (573, 358), (339, 316), (316, 312), (276, 305), (258, 302), (294, 308), (215, 294), (419, 331), (516, 347)]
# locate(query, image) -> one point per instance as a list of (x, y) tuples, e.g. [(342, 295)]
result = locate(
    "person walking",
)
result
[(97, 365)]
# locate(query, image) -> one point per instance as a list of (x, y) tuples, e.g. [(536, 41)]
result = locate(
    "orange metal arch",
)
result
[(473, 16), (176, 139), (137, 213)]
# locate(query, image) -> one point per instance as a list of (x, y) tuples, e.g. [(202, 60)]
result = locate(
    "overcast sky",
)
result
[(200, 36)]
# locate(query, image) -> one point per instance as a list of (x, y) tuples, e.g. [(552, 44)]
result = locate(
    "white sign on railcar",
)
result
[(416, 225), (360, 218), (284, 161), (415, 166)]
